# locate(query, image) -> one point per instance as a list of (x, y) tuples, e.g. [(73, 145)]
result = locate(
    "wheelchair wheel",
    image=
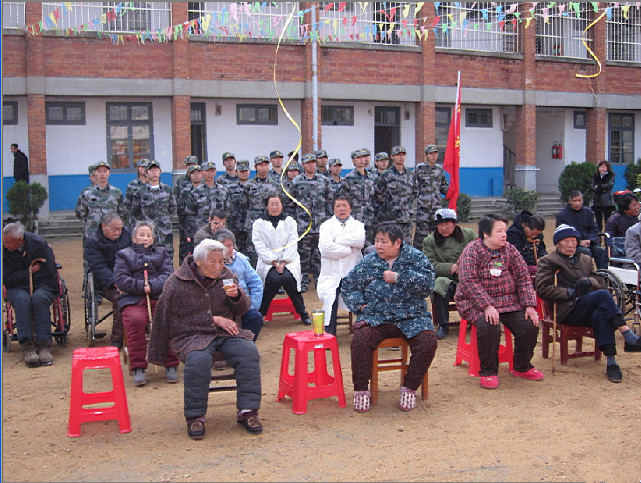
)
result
[(62, 315), (7, 328), (91, 309), (613, 285)]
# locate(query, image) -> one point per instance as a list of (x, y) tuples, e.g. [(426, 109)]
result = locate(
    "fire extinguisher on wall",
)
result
[(559, 151), (555, 151)]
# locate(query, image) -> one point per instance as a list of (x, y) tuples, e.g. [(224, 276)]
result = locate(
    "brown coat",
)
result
[(184, 314)]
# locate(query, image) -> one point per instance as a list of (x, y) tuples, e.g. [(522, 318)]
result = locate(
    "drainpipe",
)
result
[(314, 82)]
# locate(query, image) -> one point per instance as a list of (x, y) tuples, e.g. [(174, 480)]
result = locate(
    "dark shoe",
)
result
[(305, 319), (196, 429), (614, 373), (249, 420), (220, 365), (44, 355), (117, 344), (632, 347), (281, 291), (303, 287), (140, 378), (442, 331), (171, 374), (30, 355)]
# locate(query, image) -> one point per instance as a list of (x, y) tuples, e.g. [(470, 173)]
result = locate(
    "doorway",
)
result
[(387, 128), (198, 132)]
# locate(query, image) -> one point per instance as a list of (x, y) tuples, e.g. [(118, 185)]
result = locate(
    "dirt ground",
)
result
[(572, 426)]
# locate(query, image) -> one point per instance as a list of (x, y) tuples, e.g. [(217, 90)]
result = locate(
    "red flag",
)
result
[(453, 150)]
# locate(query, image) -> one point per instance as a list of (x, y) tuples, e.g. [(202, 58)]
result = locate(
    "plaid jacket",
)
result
[(508, 290)]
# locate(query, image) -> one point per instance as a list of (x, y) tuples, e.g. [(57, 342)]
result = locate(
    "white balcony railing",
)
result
[(560, 29), (13, 15), (624, 34)]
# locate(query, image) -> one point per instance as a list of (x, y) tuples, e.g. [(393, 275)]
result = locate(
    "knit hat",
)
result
[(445, 214), (565, 231)]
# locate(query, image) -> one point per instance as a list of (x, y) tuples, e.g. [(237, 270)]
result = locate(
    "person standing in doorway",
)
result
[(20, 164)]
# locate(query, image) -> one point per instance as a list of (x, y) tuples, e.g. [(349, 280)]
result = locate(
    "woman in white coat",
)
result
[(341, 239), (275, 238)]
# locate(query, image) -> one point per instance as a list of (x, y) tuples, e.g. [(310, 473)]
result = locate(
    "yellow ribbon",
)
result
[(590, 50), (300, 140)]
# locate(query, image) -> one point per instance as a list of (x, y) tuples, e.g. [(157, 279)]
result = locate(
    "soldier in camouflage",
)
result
[(430, 185), (134, 185), (289, 205), (335, 178), (238, 205), (276, 160), (185, 181), (314, 192), (154, 202), (186, 221), (207, 197), (358, 186), (381, 162), (322, 161), (92, 182), (97, 201), (257, 190), (230, 175)]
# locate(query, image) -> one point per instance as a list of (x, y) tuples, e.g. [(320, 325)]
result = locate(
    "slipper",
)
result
[(489, 382), (531, 375), (196, 429)]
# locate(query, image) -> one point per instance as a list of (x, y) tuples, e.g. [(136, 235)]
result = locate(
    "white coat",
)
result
[(269, 242), (340, 246)]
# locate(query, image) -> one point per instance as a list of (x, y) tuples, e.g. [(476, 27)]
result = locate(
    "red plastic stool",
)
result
[(97, 358), (468, 351), (278, 306), (297, 385)]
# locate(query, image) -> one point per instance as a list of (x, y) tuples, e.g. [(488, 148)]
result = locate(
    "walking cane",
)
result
[(33, 262), (554, 316), (148, 304)]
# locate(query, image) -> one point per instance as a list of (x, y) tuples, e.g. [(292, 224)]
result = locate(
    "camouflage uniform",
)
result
[(276, 176), (238, 214), (316, 195), (225, 179), (430, 184), (157, 206), (359, 188), (203, 199), (393, 197), (132, 187), (257, 190), (96, 202)]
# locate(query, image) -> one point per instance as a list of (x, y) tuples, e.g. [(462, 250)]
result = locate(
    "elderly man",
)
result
[(387, 292), (194, 316), (100, 255), (29, 275), (580, 297)]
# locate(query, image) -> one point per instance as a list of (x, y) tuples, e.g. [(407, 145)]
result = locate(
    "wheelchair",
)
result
[(95, 312), (60, 315)]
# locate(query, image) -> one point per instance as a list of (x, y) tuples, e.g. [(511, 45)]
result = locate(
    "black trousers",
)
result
[(274, 281)]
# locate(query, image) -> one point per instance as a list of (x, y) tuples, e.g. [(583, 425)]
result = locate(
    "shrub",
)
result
[(25, 201), (631, 173), (519, 199), (577, 176), (463, 207)]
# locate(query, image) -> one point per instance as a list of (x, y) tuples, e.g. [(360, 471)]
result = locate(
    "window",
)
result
[(478, 117), (12, 15), (337, 115), (579, 119), (624, 34), (256, 114), (129, 133), (65, 112), (443, 118), (560, 29), (9, 113), (621, 133)]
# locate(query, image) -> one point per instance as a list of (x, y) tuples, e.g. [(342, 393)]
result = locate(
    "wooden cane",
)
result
[(554, 317), (148, 299), (536, 258), (33, 262)]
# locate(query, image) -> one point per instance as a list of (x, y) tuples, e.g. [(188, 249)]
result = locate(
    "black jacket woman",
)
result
[(602, 184)]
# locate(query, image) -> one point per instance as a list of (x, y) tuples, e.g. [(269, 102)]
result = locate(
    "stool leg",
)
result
[(462, 332), (320, 375), (120, 398), (338, 376), (299, 404), (284, 371), (373, 386), (75, 404), (475, 364)]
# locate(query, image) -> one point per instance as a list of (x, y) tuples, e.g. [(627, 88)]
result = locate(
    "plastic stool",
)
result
[(97, 358), (297, 386), (469, 352), (278, 306)]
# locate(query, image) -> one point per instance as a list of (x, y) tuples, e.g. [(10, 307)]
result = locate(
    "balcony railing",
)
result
[(13, 15), (624, 34), (560, 29)]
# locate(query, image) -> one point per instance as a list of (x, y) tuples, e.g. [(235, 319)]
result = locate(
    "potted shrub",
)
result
[(25, 201)]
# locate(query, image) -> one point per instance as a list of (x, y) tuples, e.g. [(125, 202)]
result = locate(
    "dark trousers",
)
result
[(28, 308), (366, 339), (242, 355), (599, 255), (274, 281), (310, 259), (441, 305), (112, 295), (333, 318), (488, 339), (601, 215), (252, 320), (598, 311)]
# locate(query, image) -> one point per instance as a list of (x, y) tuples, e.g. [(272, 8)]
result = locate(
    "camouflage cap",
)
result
[(334, 162), (275, 154), (191, 160), (193, 167), (321, 153), (381, 155), (260, 159), (242, 165), (92, 169), (228, 155), (293, 166), (355, 153), (366, 152), (431, 148), (142, 162), (398, 150), (309, 157), (207, 165), (101, 163), (151, 164)]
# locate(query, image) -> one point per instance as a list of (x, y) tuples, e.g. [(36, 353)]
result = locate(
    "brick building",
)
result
[(79, 85)]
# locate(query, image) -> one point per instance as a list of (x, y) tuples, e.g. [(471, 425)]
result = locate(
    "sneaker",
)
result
[(171, 374), (196, 429), (408, 399), (614, 373), (140, 378), (30, 355), (362, 402), (632, 347), (249, 420), (531, 375), (489, 382), (44, 354), (220, 365)]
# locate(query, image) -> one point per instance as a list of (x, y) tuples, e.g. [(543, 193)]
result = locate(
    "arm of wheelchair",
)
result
[(625, 261)]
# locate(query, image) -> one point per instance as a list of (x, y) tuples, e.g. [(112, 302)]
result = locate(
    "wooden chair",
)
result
[(400, 363), (350, 320), (451, 307), (226, 375), (565, 333)]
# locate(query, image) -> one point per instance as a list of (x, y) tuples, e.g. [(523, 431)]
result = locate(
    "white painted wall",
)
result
[(482, 147), (574, 140), (550, 125), (15, 133)]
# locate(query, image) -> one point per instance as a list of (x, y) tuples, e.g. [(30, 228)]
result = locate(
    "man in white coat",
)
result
[(341, 239)]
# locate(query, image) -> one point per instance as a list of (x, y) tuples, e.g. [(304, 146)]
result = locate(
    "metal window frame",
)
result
[(578, 124), (620, 129), (256, 107), (14, 106), (15, 15), (623, 36), (479, 110), (334, 121), (65, 105), (129, 122)]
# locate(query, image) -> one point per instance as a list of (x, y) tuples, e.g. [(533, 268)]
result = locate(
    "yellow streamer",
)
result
[(300, 140), (590, 50)]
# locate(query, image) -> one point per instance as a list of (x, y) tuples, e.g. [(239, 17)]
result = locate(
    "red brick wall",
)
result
[(37, 134), (595, 134), (13, 56)]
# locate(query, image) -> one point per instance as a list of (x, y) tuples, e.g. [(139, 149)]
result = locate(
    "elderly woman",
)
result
[(194, 317), (275, 238), (341, 239), (495, 286), (140, 271)]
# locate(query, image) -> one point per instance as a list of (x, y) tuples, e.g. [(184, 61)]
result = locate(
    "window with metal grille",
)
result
[(624, 34), (442, 120), (579, 119), (256, 114), (621, 135), (478, 117), (72, 113), (560, 29), (9, 113), (337, 115), (129, 133), (13, 15)]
